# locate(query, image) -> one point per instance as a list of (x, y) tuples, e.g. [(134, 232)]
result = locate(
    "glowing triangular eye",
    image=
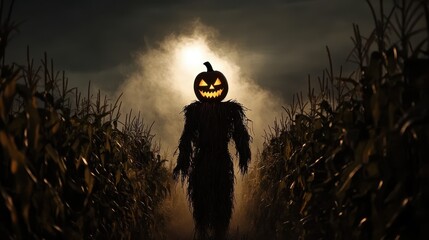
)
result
[(217, 82), (203, 83)]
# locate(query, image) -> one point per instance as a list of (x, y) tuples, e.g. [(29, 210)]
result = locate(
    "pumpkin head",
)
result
[(210, 86)]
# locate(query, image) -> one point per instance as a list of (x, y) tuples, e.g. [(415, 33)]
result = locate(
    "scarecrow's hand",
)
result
[(243, 164), (180, 170)]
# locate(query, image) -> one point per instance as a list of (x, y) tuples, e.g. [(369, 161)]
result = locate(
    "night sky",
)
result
[(280, 42)]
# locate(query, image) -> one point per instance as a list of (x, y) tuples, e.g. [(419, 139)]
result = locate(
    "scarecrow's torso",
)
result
[(213, 123)]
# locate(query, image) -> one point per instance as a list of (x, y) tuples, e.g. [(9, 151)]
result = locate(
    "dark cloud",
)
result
[(288, 38)]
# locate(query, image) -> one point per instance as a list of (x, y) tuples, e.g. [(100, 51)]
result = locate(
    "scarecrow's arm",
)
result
[(241, 137), (185, 144)]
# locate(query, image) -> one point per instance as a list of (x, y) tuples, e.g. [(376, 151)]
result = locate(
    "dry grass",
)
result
[(69, 168), (350, 159)]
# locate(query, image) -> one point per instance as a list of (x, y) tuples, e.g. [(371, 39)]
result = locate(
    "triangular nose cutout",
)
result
[(211, 86)]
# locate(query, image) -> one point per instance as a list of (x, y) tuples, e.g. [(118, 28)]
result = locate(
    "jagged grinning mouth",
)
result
[(213, 94)]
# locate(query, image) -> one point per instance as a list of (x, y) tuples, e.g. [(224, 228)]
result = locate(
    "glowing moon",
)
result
[(192, 54)]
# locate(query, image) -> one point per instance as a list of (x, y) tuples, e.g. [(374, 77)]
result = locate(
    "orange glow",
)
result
[(203, 83)]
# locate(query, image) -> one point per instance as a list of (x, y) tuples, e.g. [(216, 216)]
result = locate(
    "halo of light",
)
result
[(192, 53)]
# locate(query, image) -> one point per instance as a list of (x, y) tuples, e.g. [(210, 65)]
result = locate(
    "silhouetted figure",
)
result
[(204, 157)]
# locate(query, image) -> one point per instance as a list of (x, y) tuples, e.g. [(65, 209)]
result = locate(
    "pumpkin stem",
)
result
[(209, 67)]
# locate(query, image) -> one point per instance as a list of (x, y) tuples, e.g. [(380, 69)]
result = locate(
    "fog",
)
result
[(163, 84)]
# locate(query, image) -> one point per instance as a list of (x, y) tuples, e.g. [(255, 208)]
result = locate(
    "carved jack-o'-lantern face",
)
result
[(210, 86)]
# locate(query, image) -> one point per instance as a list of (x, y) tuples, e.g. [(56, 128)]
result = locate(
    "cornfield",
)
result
[(350, 160), (70, 169)]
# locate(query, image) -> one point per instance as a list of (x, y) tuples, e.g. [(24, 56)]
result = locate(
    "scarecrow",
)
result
[(204, 158)]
